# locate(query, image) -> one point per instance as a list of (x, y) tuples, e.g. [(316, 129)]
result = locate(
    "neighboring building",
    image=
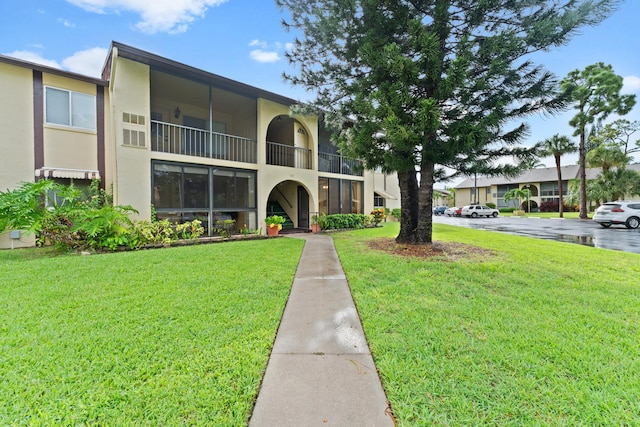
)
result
[(191, 143), (386, 190), (542, 182)]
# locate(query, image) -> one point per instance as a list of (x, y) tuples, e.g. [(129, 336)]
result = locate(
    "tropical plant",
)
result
[(438, 83), (607, 156), (378, 215), (557, 146), (595, 93), (517, 194)]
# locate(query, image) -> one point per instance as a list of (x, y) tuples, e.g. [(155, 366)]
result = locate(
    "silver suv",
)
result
[(627, 213)]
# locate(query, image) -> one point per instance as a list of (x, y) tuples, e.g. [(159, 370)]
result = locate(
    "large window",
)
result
[(549, 191), (340, 196), (68, 108), (185, 192)]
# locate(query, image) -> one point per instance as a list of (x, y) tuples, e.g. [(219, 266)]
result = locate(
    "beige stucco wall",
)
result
[(16, 126), (130, 167), (65, 147), (16, 137), (389, 184), (269, 176)]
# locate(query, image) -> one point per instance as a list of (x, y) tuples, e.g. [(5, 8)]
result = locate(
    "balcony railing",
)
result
[(287, 155), (175, 139), (335, 163)]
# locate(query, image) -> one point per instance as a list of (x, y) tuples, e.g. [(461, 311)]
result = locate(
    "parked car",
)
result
[(627, 213), (439, 210), (475, 211), (453, 211)]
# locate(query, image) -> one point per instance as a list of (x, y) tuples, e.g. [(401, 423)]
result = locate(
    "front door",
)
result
[(303, 207)]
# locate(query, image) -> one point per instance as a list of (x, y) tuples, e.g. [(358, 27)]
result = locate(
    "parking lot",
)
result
[(584, 232)]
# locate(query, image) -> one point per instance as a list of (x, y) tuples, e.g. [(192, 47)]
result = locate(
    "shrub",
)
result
[(378, 215), (343, 221), (491, 205), (396, 213), (507, 210), (553, 206), (156, 232)]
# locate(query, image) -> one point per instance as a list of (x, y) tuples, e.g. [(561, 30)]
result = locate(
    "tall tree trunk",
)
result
[(559, 171), (408, 182), (582, 152), (425, 212)]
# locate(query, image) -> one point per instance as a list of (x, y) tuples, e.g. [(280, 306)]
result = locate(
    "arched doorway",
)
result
[(291, 200)]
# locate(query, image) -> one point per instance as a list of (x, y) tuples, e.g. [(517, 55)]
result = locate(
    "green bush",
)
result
[(344, 221), (507, 210), (396, 213), (491, 205)]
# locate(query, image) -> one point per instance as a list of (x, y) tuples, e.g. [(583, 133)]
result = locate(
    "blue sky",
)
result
[(245, 41)]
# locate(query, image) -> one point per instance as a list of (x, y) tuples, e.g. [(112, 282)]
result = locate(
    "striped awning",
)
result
[(385, 195), (67, 173)]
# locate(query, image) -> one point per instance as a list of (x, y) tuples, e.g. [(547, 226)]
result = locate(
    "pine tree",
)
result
[(427, 87)]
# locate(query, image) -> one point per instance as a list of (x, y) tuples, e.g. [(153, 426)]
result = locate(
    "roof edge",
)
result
[(52, 70), (181, 69)]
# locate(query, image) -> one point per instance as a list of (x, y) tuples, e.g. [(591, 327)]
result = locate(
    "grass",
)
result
[(178, 336), (542, 333)]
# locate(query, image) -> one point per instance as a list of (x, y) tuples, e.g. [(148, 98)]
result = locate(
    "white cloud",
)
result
[(258, 43), (264, 56), (630, 84), (29, 56), (88, 62), (172, 16), (267, 52), (66, 23)]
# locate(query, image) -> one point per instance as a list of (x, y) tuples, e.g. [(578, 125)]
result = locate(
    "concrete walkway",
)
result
[(320, 372)]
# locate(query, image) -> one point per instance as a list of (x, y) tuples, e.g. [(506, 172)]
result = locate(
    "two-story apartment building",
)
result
[(542, 182), (190, 143)]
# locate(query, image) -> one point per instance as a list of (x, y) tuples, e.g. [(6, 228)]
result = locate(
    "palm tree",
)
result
[(558, 146), (607, 156), (531, 163), (518, 193)]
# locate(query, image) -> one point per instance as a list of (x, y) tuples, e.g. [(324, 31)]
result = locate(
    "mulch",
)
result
[(443, 251)]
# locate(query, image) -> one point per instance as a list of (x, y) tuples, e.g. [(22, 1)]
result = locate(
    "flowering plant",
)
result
[(275, 221)]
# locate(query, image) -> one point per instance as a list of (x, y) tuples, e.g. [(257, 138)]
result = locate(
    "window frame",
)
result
[(70, 109)]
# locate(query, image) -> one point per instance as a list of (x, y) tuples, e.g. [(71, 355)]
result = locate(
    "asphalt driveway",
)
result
[(584, 232)]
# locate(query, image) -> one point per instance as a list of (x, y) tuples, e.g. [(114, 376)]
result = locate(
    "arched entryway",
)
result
[(292, 200)]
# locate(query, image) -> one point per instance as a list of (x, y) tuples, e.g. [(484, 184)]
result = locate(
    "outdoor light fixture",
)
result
[(176, 113)]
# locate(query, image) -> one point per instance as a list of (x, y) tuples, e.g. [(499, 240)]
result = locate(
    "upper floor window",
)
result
[(68, 108)]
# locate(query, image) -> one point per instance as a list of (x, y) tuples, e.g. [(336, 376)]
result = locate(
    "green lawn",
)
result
[(177, 336), (541, 333)]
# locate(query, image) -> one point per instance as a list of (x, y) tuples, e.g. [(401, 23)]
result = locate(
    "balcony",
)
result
[(176, 139), (287, 155), (335, 163)]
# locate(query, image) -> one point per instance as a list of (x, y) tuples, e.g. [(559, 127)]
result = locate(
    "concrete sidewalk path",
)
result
[(320, 372)]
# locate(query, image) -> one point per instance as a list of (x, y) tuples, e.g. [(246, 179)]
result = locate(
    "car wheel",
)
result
[(632, 222), (495, 214), (605, 225), (474, 215)]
